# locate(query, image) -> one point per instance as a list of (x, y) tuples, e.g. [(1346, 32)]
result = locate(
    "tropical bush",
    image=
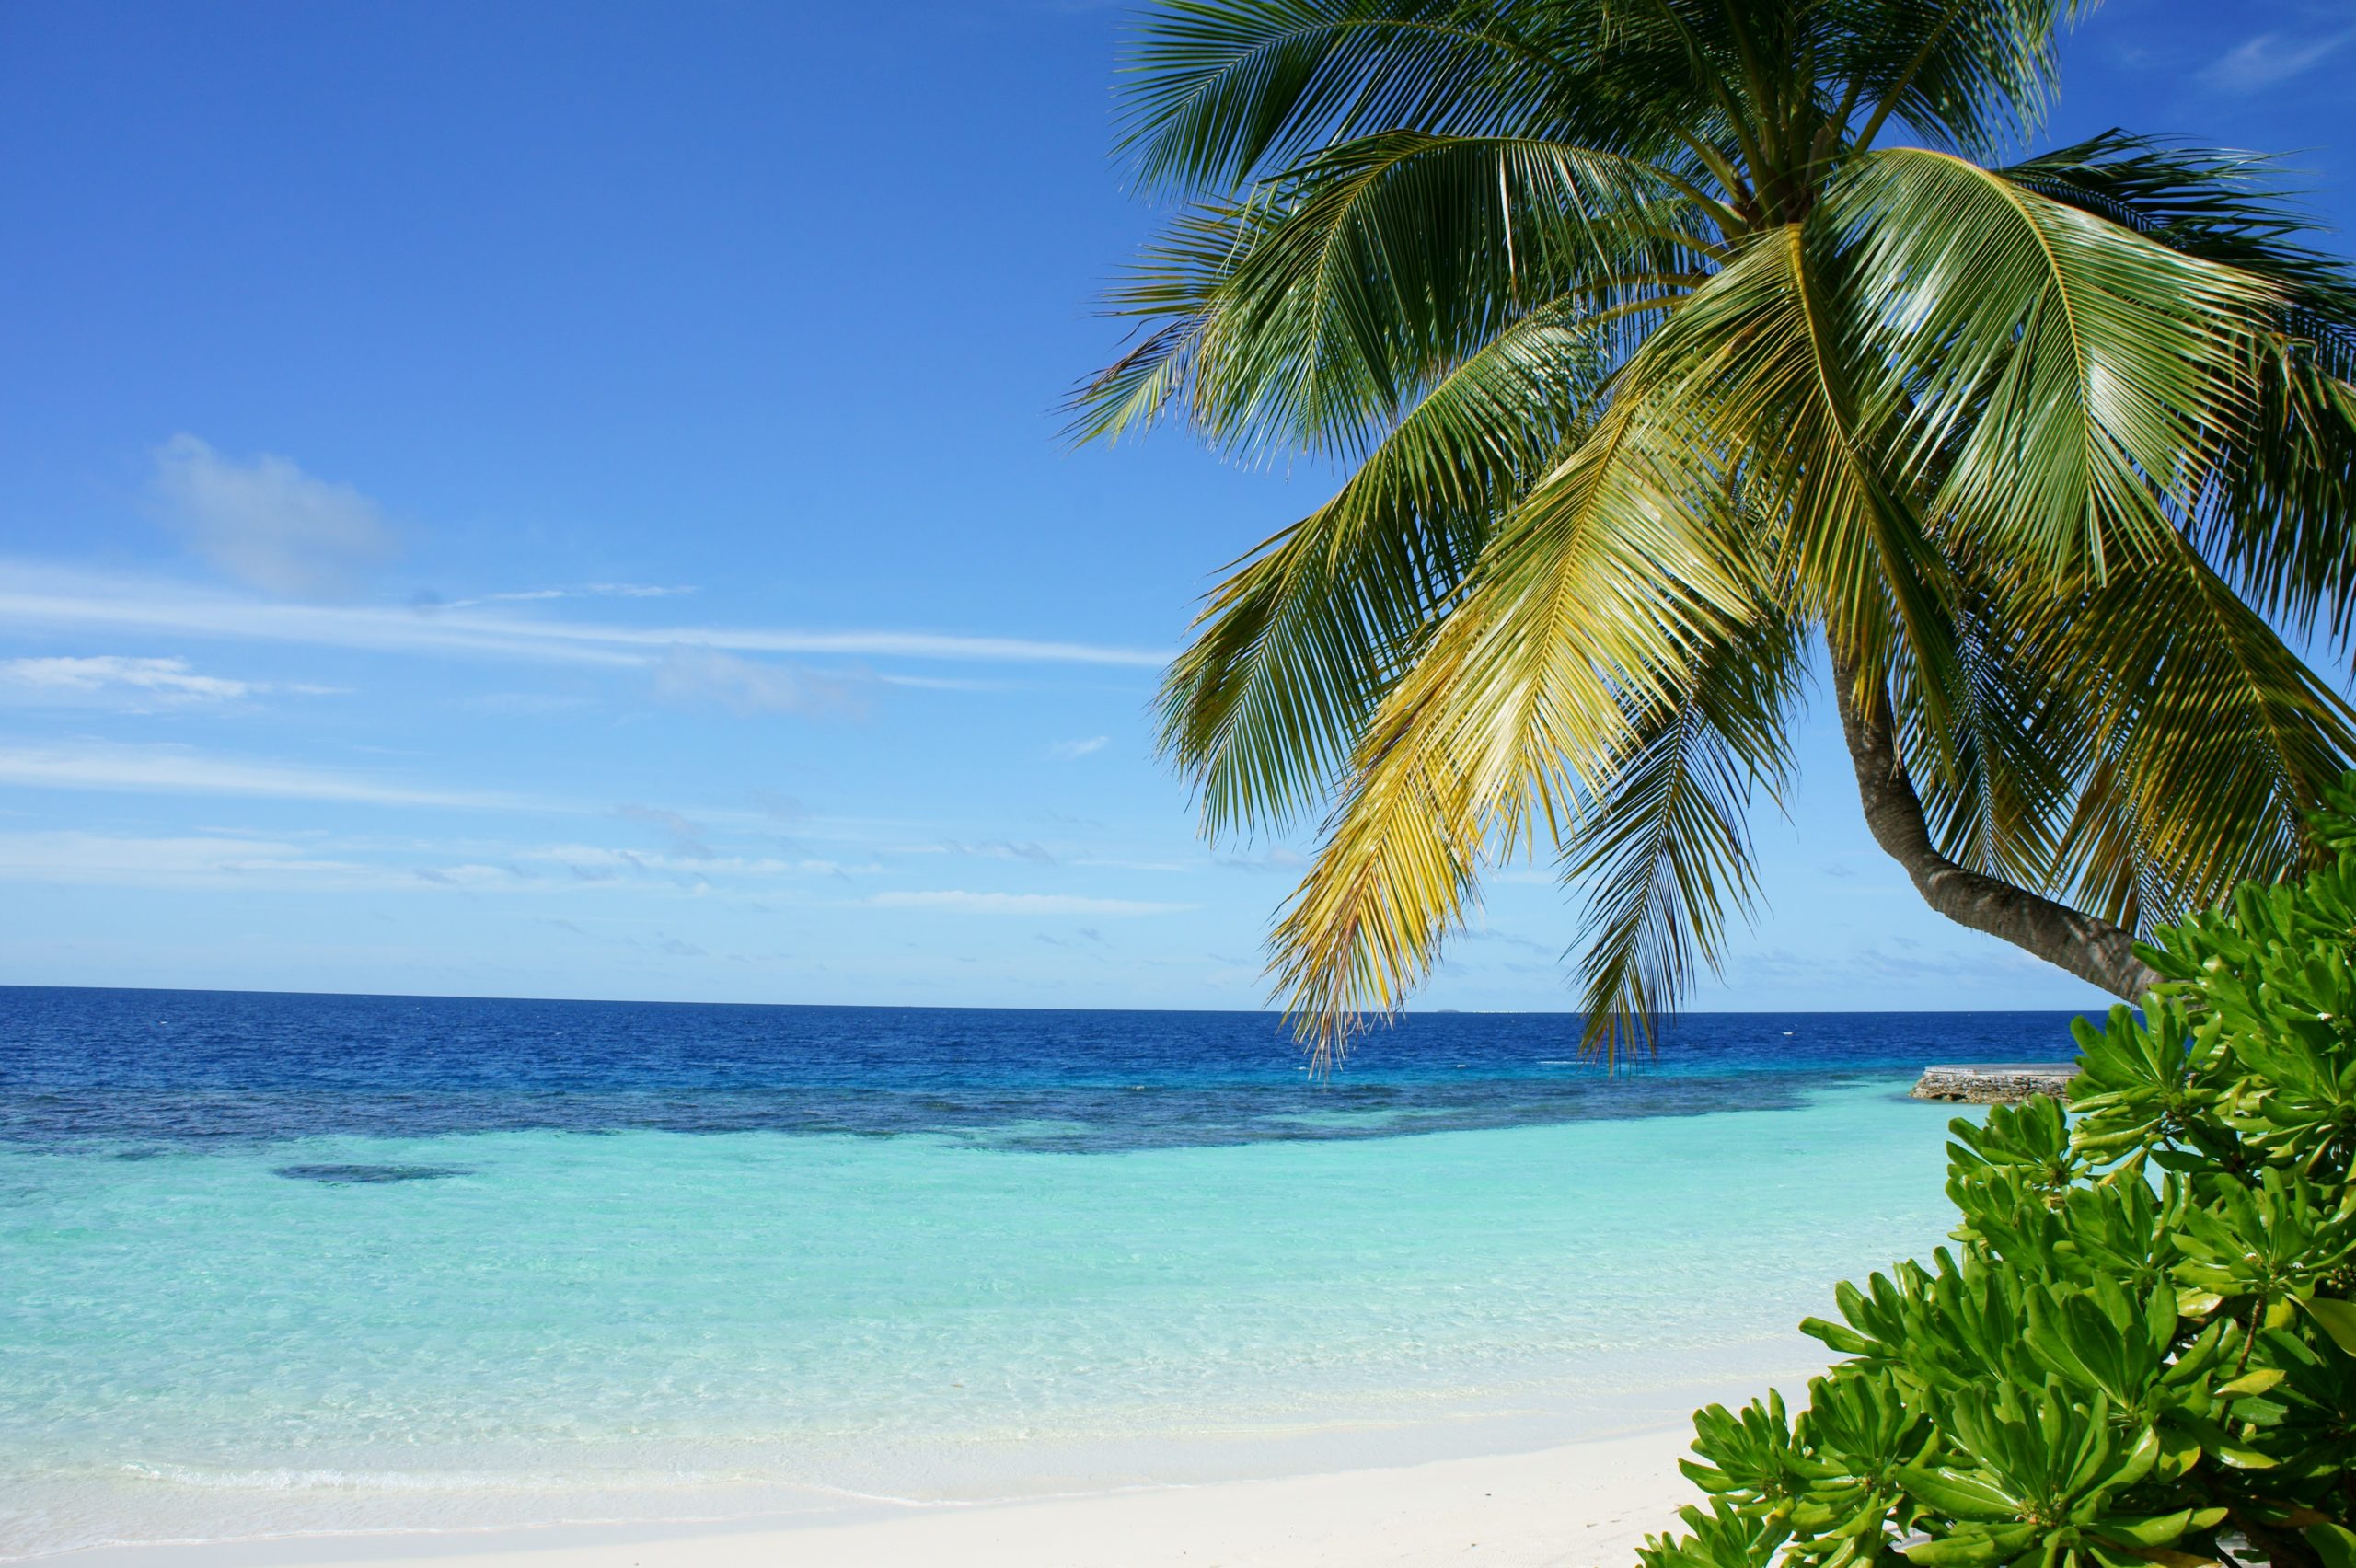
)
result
[(2141, 1347)]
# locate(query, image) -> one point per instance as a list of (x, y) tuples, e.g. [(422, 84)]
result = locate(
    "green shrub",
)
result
[(2141, 1348)]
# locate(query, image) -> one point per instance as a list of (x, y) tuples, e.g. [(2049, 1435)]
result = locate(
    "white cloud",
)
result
[(584, 590), (215, 860), (31, 594), (210, 859), (1020, 904), (588, 862), (996, 849), (269, 524), (693, 677), (941, 683), (71, 678), (686, 838), (223, 858), (1276, 858), (2270, 58), (199, 859), (1068, 751), (528, 595), (882, 644), (180, 770), (139, 683), (525, 704)]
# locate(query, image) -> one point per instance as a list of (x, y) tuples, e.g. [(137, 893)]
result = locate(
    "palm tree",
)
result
[(1658, 338)]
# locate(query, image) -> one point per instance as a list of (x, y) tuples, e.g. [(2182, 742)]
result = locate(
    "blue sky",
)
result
[(566, 501)]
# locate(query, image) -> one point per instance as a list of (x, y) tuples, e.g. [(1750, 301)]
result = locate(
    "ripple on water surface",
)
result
[(203, 1069), (367, 1270)]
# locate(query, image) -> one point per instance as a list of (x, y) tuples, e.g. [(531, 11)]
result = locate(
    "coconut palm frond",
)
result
[(1263, 708), (2067, 380), (1967, 76), (1650, 354), (1220, 93), (1591, 602), (2009, 731), (1309, 319), (2277, 514), (1663, 851), (2220, 205), (2210, 740), (2279, 518)]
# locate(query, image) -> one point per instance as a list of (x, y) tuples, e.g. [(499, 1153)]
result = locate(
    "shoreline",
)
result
[(1583, 1505), (1298, 1348), (1019, 1503)]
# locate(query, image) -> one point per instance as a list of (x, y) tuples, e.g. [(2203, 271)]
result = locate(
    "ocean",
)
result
[(307, 1264)]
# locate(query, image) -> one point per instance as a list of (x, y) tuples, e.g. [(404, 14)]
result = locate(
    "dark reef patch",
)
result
[(145, 1073), (357, 1175)]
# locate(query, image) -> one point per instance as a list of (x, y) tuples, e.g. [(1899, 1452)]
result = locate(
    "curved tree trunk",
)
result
[(2086, 945)]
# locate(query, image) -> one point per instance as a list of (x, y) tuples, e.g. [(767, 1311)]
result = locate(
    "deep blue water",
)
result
[(154, 1069), (307, 1263)]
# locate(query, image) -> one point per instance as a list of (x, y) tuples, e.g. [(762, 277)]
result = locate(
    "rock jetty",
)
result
[(1995, 1083)]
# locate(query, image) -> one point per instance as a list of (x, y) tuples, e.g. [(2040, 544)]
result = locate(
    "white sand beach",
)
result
[(1580, 1506)]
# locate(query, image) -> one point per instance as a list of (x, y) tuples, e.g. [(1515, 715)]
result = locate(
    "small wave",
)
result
[(290, 1479)]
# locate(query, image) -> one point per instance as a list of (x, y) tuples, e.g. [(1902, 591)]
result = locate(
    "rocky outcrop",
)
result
[(1995, 1083)]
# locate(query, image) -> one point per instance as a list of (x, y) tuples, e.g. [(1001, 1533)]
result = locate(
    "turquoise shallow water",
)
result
[(339, 1329)]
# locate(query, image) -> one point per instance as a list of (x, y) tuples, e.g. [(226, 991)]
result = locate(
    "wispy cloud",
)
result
[(33, 595), (579, 591), (163, 861), (1276, 858), (698, 677), (686, 838), (42, 596), (964, 902), (1070, 750), (941, 683), (525, 704), (104, 677), (588, 862), (993, 849), (1876, 962), (267, 522), (636, 589), (219, 857), (182, 770), (2270, 58), (872, 644), (219, 860)]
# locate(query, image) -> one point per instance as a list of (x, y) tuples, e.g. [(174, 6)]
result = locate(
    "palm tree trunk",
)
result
[(2086, 945)]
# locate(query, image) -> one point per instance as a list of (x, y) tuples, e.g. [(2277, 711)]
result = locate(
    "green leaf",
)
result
[(1664, 850), (1964, 1497), (2158, 1530), (2335, 1543), (1843, 1340), (1708, 1477), (1962, 1550), (2338, 1320)]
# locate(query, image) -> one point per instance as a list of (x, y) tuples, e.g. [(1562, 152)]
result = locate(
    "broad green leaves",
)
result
[(2144, 1349)]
